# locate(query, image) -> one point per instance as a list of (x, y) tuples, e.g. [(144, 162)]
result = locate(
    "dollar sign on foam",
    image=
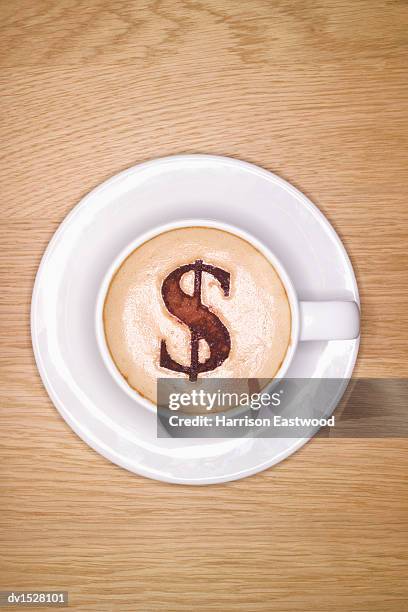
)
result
[(203, 323)]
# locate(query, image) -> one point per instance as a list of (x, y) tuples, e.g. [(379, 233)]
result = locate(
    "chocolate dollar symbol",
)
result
[(203, 323)]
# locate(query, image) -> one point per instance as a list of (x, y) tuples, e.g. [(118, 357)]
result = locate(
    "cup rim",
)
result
[(173, 225)]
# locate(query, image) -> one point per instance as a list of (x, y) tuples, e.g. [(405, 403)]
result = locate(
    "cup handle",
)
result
[(329, 320)]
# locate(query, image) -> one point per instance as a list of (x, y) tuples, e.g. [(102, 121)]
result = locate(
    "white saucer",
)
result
[(63, 304)]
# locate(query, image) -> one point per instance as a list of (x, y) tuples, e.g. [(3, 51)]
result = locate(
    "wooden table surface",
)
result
[(315, 91)]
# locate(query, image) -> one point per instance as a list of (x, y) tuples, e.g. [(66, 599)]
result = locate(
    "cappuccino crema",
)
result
[(196, 302)]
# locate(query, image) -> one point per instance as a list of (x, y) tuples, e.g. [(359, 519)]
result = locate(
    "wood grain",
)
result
[(315, 91)]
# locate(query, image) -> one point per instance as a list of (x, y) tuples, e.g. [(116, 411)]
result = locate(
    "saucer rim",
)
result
[(97, 445)]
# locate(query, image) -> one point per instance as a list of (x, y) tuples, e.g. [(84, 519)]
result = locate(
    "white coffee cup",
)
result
[(317, 320)]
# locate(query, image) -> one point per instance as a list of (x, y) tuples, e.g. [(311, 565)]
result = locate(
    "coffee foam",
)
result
[(256, 312)]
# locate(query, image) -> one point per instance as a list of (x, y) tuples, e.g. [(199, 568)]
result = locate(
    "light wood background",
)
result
[(315, 90)]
